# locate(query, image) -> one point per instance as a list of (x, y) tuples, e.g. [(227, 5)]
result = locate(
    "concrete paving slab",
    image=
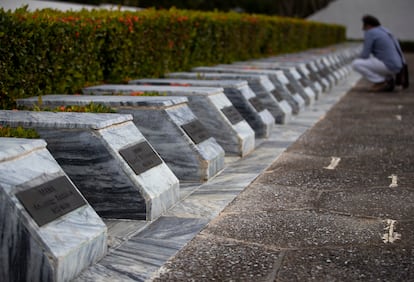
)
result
[(370, 202), (311, 172), (381, 162), (349, 263), (297, 229), (273, 198), (337, 145), (220, 260)]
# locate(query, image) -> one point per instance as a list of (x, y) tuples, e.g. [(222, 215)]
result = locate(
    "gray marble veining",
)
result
[(288, 63), (56, 251), (291, 73), (144, 253), (259, 84), (329, 65), (239, 94), (280, 93), (87, 146), (160, 119), (207, 103)]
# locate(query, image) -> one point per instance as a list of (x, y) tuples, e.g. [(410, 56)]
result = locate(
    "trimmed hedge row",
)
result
[(48, 51)]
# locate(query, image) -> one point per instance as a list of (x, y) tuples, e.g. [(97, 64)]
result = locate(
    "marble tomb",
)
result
[(167, 123), (280, 92), (49, 231), (259, 84), (210, 105), (295, 79), (239, 94), (107, 158)]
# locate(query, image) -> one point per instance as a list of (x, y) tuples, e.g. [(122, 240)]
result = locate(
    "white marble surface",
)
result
[(207, 104), (296, 61), (108, 89), (293, 76), (237, 91), (67, 120), (279, 93), (109, 100), (159, 118), (86, 145), (158, 185), (259, 84), (57, 251)]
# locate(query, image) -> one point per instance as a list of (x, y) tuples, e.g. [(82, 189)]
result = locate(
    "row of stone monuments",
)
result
[(56, 190)]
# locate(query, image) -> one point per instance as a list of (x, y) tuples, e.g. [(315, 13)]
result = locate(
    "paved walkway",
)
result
[(337, 205)]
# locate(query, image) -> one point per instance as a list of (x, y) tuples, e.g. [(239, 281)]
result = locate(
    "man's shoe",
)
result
[(390, 85), (385, 86), (379, 87)]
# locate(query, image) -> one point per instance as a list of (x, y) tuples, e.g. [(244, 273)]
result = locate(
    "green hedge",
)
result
[(48, 51)]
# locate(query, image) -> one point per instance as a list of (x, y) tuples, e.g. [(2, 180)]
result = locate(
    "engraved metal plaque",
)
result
[(276, 94), (51, 200), (324, 72), (290, 88), (140, 157), (196, 131), (232, 114), (257, 104), (303, 82), (313, 76)]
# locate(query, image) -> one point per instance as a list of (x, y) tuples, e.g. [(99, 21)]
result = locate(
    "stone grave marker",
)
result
[(307, 63), (280, 91), (239, 94), (307, 78), (322, 70), (49, 231), (167, 123), (107, 158), (210, 105), (259, 84), (295, 79)]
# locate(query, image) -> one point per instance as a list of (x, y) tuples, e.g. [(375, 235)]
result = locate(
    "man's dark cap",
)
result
[(370, 20)]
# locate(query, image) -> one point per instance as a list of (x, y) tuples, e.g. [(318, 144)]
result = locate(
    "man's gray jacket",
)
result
[(379, 42)]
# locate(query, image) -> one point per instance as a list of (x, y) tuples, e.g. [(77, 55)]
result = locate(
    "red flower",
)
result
[(180, 84), (136, 93)]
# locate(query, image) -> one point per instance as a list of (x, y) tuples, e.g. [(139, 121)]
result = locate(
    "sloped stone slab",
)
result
[(239, 94), (295, 79), (167, 123), (206, 103), (45, 236), (88, 147), (259, 84), (280, 93)]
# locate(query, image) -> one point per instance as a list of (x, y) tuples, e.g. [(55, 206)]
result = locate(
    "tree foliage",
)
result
[(288, 8)]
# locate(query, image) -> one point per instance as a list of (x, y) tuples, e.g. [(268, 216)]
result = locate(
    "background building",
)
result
[(397, 15)]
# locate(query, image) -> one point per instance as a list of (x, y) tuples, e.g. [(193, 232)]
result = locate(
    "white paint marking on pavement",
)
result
[(394, 181), (398, 117), (334, 163), (400, 107), (390, 236)]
